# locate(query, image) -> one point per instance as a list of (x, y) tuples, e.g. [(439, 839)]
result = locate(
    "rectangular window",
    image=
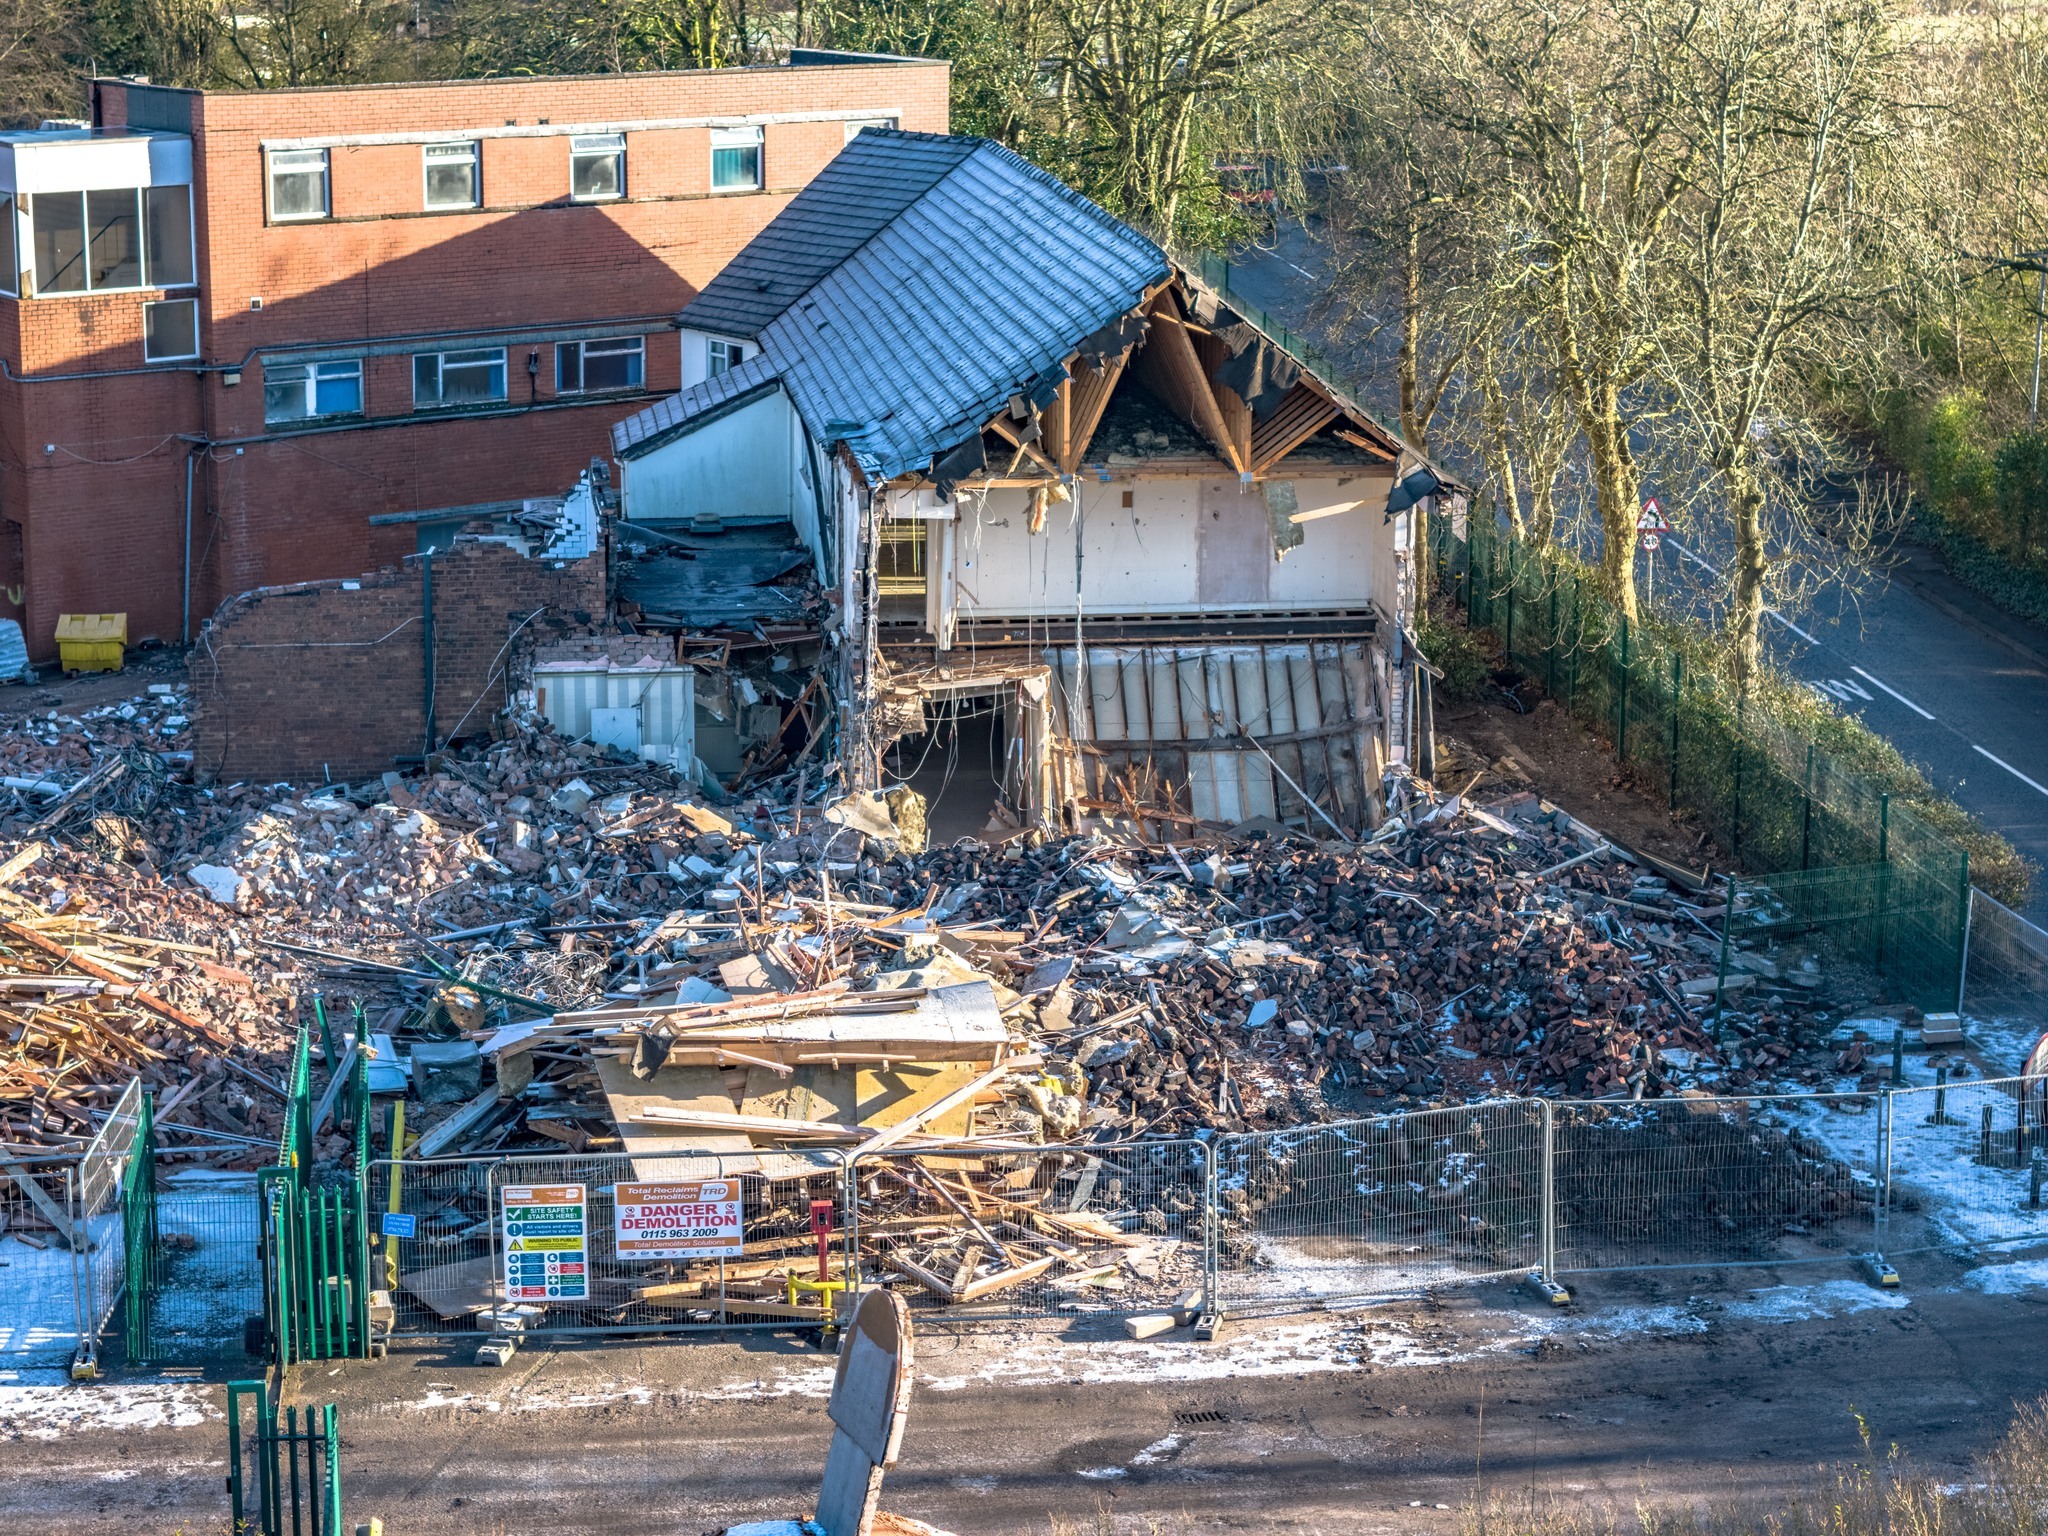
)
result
[(10, 265), (726, 356), (170, 330), (59, 235), (458, 378), (298, 184), (585, 367), (114, 224), (855, 124), (735, 159), (597, 167), (452, 179), (167, 231), (303, 391)]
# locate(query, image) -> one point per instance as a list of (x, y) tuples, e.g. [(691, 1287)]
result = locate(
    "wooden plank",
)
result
[(54, 1213), (1299, 417), (1056, 422), (692, 1087), (960, 1098), (148, 1000), (1237, 416), (1175, 373), (1092, 389), (32, 854)]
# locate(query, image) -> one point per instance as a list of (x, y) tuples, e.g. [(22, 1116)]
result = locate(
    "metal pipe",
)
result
[(2040, 312), (427, 643), (185, 616)]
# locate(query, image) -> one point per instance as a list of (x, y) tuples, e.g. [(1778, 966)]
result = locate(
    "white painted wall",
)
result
[(1183, 546), (696, 347), (754, 465)]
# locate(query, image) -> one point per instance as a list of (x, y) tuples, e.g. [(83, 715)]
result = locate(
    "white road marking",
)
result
[(1888, 688), (2008, 767), (1802, 634)]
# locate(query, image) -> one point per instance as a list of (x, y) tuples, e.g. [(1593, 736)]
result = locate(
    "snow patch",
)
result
[(2009, 1279), (49, 1413), (1809, 1303)]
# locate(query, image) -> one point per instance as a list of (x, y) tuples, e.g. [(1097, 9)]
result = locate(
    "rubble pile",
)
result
[(543, 946)]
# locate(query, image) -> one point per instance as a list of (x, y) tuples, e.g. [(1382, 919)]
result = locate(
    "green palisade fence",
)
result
[(1827, 852), (286, 1479), (315, 1230), (139, 1236)]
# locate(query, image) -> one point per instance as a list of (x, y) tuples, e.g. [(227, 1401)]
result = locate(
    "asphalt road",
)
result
[(1959, 687), (1385, 1422)]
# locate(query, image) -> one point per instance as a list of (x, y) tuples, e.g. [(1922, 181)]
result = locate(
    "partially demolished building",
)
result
[(1049, 504)]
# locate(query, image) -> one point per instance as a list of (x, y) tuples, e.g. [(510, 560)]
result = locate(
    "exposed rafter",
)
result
[(1304, 412), (1087, 398), (1175, 373)]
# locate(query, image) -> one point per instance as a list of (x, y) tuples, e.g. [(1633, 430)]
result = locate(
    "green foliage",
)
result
[(1456, 651), (1958, 471)]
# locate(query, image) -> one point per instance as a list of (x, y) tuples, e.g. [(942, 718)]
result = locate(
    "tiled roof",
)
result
[(958, 276)]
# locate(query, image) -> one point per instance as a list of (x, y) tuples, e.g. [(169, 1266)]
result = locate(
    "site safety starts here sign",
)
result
[(679, 1221), (547, 1242)]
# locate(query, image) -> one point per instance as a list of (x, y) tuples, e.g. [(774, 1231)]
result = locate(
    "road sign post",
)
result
[(1651, 527)]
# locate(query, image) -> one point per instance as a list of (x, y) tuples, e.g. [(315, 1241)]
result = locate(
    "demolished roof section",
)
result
[(916, 334)]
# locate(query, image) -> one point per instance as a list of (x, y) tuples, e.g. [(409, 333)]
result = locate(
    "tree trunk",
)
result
[(1413, 426), (1746, 612), (1616, 487)]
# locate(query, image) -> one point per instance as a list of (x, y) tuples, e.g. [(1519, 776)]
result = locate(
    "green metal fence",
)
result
[(315, 1226), (1895, 891), (139, 1236), (284, 1476)]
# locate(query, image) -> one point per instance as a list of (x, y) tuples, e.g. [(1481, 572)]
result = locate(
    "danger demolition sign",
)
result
[(678, 1221)]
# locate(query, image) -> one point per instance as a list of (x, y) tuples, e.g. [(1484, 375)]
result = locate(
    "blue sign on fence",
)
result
[(396, 1225)]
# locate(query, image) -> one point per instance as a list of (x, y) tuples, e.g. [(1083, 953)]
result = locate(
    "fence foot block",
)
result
[(85, 1366), (1549, 1289), (1882, 1275), (1206, 1326), (497, 1350)]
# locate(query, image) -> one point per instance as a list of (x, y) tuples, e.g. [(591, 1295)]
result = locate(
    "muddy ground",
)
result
[(1671, 1386)]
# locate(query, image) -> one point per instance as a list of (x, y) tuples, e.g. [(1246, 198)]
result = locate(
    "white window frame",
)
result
[(606, 346), (597, 146), (751, 137), (170, 357), (308, 381), (464, 149), (271, 157), (440, 379), (855, 124), (10, 223), (722, 356)]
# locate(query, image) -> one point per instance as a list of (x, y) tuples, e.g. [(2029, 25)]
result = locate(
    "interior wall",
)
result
[(741, 468), (1182, 546)]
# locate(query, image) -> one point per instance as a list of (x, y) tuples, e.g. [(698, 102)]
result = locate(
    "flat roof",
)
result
[(812, 58), (28, 136)]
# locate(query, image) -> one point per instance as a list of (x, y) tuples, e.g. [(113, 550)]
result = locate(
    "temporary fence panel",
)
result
[(1698, 1183), (101, 1174), (1379, 1206), (1967, 1161), (284, 1472), (204, 1273), (2005, 981), (1036, 1232), (446, 1258), (44, 1317)]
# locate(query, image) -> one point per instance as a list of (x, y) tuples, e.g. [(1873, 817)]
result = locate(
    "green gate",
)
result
[(293, 1487), (139, 1237), (316, 1297)]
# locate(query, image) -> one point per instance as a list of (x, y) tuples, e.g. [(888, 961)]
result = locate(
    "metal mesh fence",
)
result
[(1765, 791), (2005, 981), (1967, 1164), (1379, 1206), (207, 1278), (1036, 1231), (101, 1173), (1699, 1182), (449, 1275), (42, 1297)]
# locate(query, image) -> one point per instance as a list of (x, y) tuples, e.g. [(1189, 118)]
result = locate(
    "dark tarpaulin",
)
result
[(1259, 371), (1113, 340), (956, 464)]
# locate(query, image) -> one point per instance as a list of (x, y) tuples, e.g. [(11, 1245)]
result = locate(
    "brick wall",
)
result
[(328, 679), (92, 470)]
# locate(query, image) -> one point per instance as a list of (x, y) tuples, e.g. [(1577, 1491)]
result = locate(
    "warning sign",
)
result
[(678, 1221), (1652, 519), (547, 1242)]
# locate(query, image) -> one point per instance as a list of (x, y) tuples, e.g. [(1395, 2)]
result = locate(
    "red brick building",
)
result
[(251, 338)]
